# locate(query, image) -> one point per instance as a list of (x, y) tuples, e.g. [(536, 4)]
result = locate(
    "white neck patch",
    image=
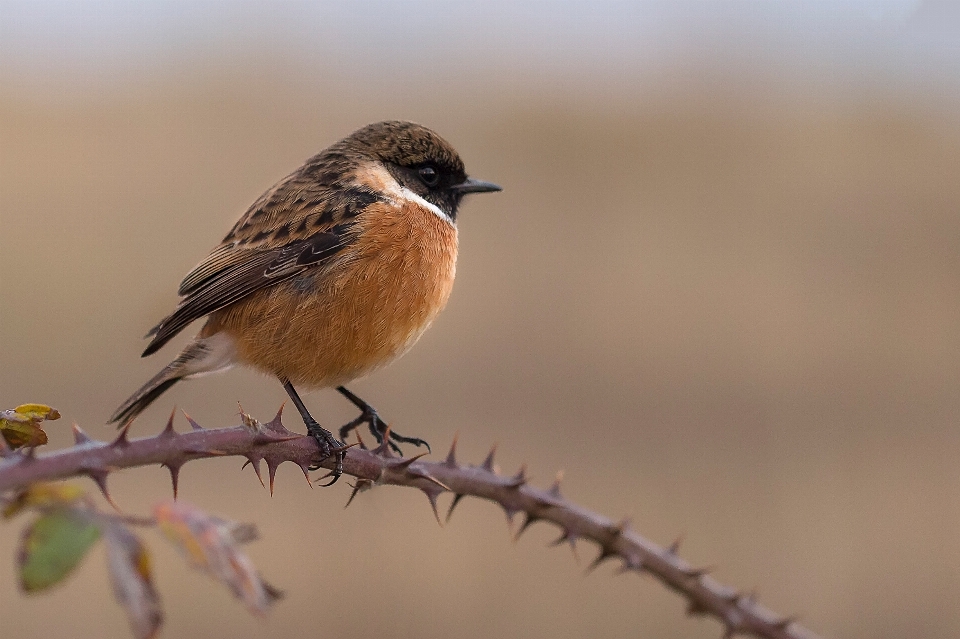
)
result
[(410, 196), (379, 178)]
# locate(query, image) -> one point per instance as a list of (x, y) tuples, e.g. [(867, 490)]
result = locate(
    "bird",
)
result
[(335, 271)]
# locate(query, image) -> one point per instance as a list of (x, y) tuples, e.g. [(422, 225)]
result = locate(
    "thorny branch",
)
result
[(273, 444)]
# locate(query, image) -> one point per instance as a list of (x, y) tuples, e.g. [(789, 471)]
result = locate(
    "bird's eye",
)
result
[(429, 175)]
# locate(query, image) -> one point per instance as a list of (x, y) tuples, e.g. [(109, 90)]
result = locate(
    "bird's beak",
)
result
[(475, 186)]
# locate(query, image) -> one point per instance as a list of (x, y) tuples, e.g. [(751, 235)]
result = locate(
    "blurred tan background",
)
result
[(721, 290)]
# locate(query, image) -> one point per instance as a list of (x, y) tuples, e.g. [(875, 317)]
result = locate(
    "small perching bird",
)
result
[(335, 271)]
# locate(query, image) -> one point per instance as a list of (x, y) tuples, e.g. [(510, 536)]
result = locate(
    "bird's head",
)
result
[(420, 161)]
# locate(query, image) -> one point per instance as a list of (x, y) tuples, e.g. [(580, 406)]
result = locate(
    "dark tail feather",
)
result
[(163, 380)]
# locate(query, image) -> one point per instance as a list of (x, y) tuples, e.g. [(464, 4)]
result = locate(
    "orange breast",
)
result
[(350, 317)]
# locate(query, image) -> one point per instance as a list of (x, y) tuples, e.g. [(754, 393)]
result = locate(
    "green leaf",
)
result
[(53, 545)]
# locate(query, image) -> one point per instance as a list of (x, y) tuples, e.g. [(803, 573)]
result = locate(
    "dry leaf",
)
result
[(211, 545), (43, 495), (129, 565), (21, 425)]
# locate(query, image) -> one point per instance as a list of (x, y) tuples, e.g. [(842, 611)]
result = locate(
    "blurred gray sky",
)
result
[(64, 42)]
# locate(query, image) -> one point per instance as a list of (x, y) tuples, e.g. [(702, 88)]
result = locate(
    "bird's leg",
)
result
[(325, 439), (368, 415)]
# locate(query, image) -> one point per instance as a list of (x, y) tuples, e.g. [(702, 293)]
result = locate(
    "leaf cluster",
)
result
[(66, 525)]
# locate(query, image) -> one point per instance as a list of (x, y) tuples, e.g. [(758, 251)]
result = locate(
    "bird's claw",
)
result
[(329, 447), (378, 428)]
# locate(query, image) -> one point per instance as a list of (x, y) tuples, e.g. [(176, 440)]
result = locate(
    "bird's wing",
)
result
[(246, 271), (300, 223), (310, 200)]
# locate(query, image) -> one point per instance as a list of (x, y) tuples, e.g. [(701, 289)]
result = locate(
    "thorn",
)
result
[(353, 493), (748, 599), (362, 485), (451, 461), (696, 573), (99, 477), (79, 437), (289, 436), (630, 562), (306, 473), (275, 425), (488, 462), (432, 496), (565, 536), (277, 418), (194, 425), (732, 623), (453, 504), (383, 450), (675, 546), (174, 476), (272, 471), (730, 595), (620, 527), (568, 537), (519, 479), (555, 488), (605, 553), (168, 429), (422, 474), (509, 511), (783, 624), (121, 441), (210, 452), (404, 464), (255, 462), (527, 521)]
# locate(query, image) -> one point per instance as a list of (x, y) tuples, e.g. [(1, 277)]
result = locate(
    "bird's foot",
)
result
[(378, 428), (329, 447)]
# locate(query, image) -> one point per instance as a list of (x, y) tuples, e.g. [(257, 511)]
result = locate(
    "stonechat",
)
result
[(332, 273)]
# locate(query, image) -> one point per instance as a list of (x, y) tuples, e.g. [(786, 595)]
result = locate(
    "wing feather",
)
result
[(246, 271), (299, 223)]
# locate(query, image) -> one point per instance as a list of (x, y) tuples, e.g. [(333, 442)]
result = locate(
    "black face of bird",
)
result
[(420, 161), (442, 186)]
